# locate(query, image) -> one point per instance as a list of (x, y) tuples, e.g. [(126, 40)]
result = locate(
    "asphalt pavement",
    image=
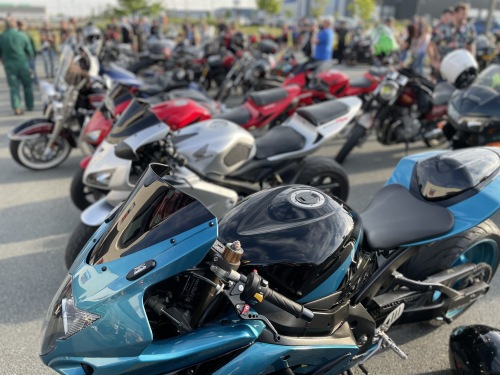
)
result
[(37, 216)]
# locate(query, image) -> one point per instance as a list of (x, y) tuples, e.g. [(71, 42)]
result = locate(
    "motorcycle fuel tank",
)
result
[(215, 146)]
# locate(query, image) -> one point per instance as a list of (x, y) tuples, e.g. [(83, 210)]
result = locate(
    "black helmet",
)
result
[(239, 40), (475, 350), (297, 237)]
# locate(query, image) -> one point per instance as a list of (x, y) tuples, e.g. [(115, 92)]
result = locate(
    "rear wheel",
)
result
[(480, 244), (78, 239), (82, 195), (327, 175), (357, 133), (30, 152)]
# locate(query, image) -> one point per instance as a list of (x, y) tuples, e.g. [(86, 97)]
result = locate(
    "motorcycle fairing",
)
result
[(119, 74), (467, 213)]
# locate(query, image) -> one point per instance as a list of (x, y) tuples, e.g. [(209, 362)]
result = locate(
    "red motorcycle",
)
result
[(260, 110)]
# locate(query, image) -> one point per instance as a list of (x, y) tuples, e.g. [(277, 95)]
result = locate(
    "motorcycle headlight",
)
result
[(475, 124), (100, 178), (388, 91), (63, 319), (93, 136)]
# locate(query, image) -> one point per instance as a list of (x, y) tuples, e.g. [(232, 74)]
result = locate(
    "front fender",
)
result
[(31, 127), (35, 126)]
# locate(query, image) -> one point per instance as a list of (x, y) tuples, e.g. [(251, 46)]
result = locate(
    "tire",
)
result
[(321, 171), (82, 195), (357, 133), (480, 244), (78, 239), (28, 152)]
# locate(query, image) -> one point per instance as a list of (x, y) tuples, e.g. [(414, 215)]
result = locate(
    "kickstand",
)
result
[(364, 369)]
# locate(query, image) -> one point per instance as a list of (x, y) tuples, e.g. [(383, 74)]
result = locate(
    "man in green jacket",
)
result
[(15, 52)]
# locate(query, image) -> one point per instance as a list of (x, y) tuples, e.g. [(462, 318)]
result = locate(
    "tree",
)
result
[(363, 9), (144, 7), (318, 8), (269, 6)]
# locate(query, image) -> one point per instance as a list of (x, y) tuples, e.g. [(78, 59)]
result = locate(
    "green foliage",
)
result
[(318, 8), (363, 8), (144, 7), (269, 6)]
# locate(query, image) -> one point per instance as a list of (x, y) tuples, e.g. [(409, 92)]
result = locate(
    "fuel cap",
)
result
[(307, 198)]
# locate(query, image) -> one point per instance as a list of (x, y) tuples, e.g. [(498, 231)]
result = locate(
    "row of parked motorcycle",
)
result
[(213, 238)]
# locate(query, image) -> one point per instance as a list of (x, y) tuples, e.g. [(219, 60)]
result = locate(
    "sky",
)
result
[(85, 7)]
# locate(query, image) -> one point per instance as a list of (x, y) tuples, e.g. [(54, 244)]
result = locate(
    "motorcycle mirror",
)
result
[(124, 151)]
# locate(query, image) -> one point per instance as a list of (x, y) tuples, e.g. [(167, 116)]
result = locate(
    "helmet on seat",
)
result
[(459, 68), (475, 349)]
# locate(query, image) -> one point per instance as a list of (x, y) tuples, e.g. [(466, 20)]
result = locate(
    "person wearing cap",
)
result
[(15, 52), (324, 40)]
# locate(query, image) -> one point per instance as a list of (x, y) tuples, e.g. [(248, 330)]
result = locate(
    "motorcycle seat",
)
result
[(278, 140), (239, 115), (396, 217), (262, 98), (442, 93), (361, 82), (322, 113), (378, 71)]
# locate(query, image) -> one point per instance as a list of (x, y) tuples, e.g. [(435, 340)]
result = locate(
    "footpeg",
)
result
[(387, 341)]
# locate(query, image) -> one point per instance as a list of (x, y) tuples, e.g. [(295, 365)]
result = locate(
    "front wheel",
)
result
[(82, 195), (358, 132), (30, 152), (326, 175), (78, 239), (480, 244)]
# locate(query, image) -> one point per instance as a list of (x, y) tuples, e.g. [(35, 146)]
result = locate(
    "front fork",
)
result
[(62, 110)]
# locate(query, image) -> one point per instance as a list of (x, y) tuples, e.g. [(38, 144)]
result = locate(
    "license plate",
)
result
[(366, 120)]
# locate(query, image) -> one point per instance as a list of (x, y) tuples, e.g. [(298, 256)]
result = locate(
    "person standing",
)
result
[(464, 33), (438, 46), (342, 32), (47, 41), (324, 40), (15, 52), (22, 27), (420, 49)]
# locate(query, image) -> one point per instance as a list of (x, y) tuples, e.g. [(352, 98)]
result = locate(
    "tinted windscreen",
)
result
[(454, 172), (135, 118), (154, 212), (490, 77)]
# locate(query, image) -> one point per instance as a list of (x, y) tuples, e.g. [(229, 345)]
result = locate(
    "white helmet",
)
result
[(459, 68)]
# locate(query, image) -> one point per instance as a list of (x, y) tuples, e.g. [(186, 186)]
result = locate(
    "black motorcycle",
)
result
[(473, 112), (358, 51), (404, 108)]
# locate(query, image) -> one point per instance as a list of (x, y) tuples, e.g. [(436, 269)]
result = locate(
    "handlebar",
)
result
[(257, 288)]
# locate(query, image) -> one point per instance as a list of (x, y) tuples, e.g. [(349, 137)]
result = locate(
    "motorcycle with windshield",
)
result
[(44, 143), (217, 161), (289, 282), (405, 107), (473, 112)]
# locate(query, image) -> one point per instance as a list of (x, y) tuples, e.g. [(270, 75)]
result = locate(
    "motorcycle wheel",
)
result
[(77, 241), (480, 244), (29, 152), (327, 175), (82, 195), (357, 133)]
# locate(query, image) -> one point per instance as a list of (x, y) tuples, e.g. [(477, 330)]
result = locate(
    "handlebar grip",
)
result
[(288, 305)]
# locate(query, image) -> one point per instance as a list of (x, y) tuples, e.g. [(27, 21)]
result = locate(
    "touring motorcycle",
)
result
[(292, 281), (216, 160)]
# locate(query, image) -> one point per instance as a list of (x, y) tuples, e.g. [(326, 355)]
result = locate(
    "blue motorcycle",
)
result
[(292, 281)]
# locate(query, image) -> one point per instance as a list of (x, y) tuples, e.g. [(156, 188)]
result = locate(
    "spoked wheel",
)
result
[(30, 152), (327, 175), (82, 195), (479, 245)]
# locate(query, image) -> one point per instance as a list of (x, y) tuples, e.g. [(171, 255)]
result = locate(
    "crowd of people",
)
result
[(419, 42)]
